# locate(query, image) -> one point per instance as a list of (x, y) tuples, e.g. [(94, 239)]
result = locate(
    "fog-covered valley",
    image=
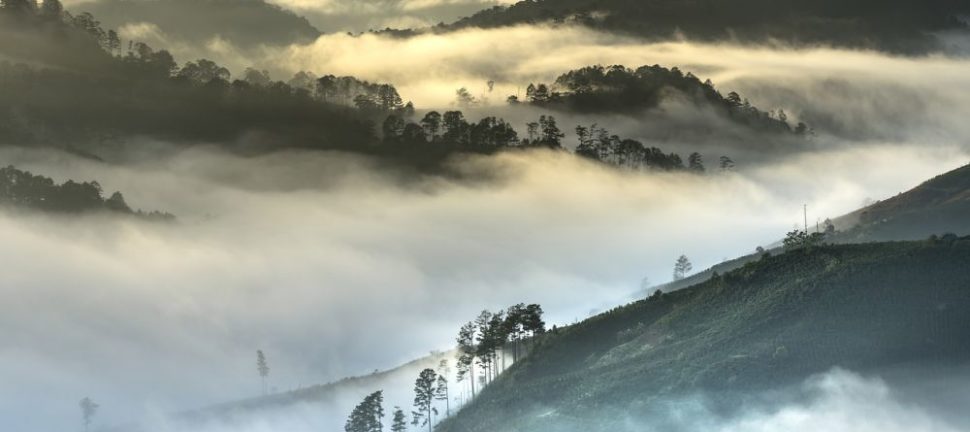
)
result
[(285, 261), (340, 263)]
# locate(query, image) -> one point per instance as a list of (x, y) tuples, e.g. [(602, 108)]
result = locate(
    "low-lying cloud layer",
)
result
[(334, 267), (428, 68), (837, 401), (846, 96)]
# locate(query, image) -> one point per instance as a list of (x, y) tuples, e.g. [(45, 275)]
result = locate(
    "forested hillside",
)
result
[(937, 207), (618, 89), (770, 323), (72, 84), (25, 190), (895, 25)]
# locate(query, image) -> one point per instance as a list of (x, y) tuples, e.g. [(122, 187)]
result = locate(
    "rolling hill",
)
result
[(769, 324), (245, 24), (897, 25), (938, 206)]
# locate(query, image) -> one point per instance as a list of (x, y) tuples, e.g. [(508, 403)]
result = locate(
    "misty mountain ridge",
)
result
[(98, 102), (906, 26), (23, 190), (621, 90), (244, 24)]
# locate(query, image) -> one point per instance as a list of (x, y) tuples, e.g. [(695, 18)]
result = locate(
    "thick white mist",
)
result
[(334, 267)]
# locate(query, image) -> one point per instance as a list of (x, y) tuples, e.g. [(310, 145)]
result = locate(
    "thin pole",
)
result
[(806, 218)]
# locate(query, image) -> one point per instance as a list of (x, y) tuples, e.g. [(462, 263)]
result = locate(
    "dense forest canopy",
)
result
[(895, 25), (617, 89), (23, 189), (106, 89), (78, 85)]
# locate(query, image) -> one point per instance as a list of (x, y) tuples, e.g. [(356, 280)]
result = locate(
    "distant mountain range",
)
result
[(245, 24), (893, 25), (905, 26)]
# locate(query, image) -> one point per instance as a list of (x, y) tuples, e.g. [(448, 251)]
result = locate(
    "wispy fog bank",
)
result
[(837, 401), (430, 67), (336, 267)]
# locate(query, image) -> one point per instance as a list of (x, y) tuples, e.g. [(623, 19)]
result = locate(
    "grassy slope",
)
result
[(770, 323), (938, 206)]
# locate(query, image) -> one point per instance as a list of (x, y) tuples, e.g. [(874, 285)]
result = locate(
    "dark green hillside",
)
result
[(895, 25), (936, 207), (940, 205), (618, 89), (246, 24), (770, 323), (24, 190)]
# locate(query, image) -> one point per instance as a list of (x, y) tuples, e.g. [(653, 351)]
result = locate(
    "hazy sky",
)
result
[(336, 266)]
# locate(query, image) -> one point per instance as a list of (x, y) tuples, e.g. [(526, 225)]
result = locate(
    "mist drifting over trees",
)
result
[(349, 216)]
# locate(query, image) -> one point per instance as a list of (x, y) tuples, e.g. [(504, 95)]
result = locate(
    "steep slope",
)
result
[(768, 324), (938, 206), (896, 25)]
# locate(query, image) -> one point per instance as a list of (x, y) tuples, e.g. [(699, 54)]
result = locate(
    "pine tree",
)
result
[(441, 393), (513, 327), (368, 415), (532, 320), (682, 268), (465, 363), (424, 392), (262, 367), (399, 422), (695, 163), (483, 347), (117, 203), (88, 410)]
